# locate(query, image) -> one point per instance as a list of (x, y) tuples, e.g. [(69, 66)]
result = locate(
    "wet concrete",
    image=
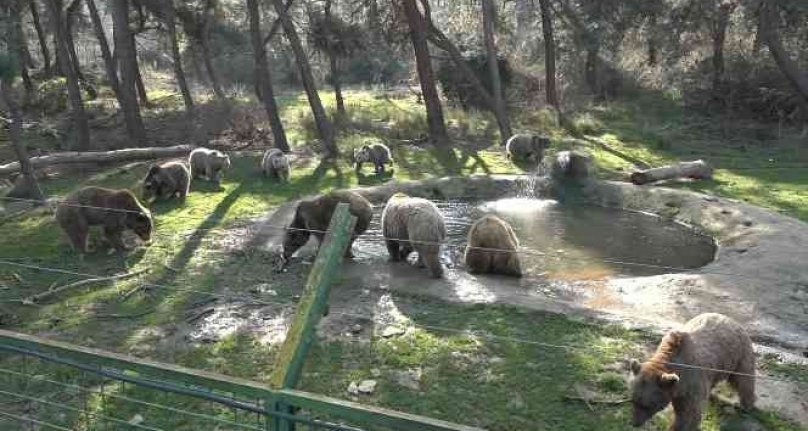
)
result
[(759, 276)]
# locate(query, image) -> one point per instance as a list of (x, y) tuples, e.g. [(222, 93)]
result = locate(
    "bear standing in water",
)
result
[(313, 216), (414, 223), (492, 248), (686, 367), (115, 210), (166, 181)]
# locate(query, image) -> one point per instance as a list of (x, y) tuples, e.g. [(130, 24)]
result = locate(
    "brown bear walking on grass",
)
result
[(166, 181), (414, 224), (492, 248), (208, 163), (115, 210), (313, 216), (686, 366)]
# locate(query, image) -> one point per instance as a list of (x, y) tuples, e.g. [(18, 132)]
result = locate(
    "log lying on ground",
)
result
[(698, 170), (115, 156)]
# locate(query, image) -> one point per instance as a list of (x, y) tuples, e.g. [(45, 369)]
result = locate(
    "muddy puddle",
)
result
[(562, 242)]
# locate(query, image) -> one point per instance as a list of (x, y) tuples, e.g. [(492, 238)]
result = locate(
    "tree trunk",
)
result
[(18, 44), (115, 156), (549, 54), (695, 170), (770, 19), (43, 41), (335, 81), (489, 16), (109, 63), (125, 54), (321, 119), (719, 35), (77, 113), (176, 57), (70, 13), (26, 186), (141, 88), (442, 41), (263, 78), (418, 34), (204, 45), (334, 66)]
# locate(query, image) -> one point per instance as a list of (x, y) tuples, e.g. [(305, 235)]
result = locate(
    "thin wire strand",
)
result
[(491, 337), (77, 410), (34, 421), (130, 399)]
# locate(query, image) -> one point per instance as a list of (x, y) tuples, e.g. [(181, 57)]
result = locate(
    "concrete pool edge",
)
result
[(759, 275)]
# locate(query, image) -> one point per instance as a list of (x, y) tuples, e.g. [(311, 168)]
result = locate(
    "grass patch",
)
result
[(501, 385)]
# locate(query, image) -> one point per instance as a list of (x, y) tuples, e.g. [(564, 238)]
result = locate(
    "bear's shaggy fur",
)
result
[(208, 163), (377, 153), (275, 164), (526, 150), (710, 342), (315, 215), (115, 210), (572, 166), (486, 235), (166, 181), (414, 224)]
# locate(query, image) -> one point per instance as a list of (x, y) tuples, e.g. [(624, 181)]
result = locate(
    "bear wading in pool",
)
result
[(208, 163), (166, 181), (114, 210), (409, 224), (704, 347), (491, 248), (312, 217)]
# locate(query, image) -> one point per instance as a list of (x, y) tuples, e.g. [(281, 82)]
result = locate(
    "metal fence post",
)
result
[(310, 308)]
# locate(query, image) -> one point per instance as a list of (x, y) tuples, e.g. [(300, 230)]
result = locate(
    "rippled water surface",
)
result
[(571, 242)]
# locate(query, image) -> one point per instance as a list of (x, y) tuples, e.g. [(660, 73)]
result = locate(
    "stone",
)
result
[(392, 331), (366, 387), (355, 329), (353, 388), (410, 379)]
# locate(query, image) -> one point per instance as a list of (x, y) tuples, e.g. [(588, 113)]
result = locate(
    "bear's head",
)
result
[(297, 234), (222, 160), (152, 182), (141, 224), (652, 389), (362, 154)]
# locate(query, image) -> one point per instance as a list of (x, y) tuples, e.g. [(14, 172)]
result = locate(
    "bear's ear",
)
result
[(668, 380), (675, 338), (634, 366), (154, 169)]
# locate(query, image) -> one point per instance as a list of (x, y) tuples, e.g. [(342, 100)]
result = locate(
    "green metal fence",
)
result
[(49, 385)]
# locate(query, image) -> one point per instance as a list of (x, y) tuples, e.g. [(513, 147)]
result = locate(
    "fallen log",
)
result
[(114, 156), (39, 297), (698, 170)]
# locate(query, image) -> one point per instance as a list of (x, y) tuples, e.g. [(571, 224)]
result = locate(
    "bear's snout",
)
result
[(639, 417)]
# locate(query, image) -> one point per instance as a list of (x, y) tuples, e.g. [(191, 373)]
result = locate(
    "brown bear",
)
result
[(275, 164), (686, 366), (492, 248), (313, 216), (378, 154), (208, 163), (166, 181), (572, 166), (414, 224), (526, 150), (115, 210)]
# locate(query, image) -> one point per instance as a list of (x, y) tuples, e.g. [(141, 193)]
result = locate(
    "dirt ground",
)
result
[(759, 277)]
